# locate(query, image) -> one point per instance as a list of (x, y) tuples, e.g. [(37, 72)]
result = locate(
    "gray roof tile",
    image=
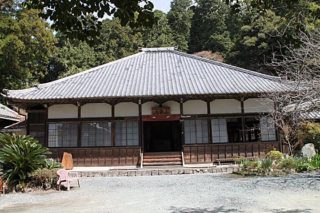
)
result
[(153, 72)]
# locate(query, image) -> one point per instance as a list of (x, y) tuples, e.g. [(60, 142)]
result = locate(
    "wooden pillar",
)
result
[(209, 122), (242, 120), (46, 127), (181, 121), (79, 125), (140, 125), (113, 127)]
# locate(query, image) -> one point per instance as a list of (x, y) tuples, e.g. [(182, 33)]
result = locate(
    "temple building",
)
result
[(158, 102)]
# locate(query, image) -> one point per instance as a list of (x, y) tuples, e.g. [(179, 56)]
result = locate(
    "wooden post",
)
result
[(113, 127), (209, 122), (242, 120), (181, 121), (140, 125), (46, 128), (79, 125)]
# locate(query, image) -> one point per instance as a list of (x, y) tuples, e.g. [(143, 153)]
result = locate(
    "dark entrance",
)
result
[(162, 136)]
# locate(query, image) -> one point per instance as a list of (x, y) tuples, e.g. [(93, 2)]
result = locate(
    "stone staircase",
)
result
[(162, 159)]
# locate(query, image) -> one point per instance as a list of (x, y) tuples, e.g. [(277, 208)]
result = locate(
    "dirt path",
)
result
[(183, 193)]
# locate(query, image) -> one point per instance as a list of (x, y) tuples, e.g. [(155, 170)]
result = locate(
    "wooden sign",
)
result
[(164, 110)]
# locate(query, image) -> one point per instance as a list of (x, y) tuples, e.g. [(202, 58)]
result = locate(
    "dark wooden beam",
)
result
[(209, 122), (242, 119), (79, 125)]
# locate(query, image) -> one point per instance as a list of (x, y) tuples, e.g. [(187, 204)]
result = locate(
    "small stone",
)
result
[(188, 171), (154, 172), (308, 150), (131, 173)]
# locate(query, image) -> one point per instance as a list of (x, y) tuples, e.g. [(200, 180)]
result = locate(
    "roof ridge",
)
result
[(239, 69), (61, 80)]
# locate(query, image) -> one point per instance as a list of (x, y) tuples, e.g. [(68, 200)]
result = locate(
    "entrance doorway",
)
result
[(162, 136)]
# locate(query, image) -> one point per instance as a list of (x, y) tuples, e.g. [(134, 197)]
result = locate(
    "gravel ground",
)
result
[(182, 193)]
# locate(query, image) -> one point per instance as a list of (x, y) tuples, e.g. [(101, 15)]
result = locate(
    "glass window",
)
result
[(96, 134), (38, 132), (219, 130), (196, 131), (63, 134), (226, 130), (127, 133), (252, 129), (268, 131)]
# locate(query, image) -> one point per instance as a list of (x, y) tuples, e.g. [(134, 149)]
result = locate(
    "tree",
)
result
[(114, 42), (179, 19), (269, 25), (26, 45), (83, 19), (209, 29), (300, 70), (70, 58), (160, 35)]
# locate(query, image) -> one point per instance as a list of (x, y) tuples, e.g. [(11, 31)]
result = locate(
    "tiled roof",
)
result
[(153, 72), (9, 114), (315, 115)]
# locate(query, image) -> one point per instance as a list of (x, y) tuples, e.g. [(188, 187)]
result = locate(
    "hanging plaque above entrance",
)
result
[(161, 110), (161, 117)]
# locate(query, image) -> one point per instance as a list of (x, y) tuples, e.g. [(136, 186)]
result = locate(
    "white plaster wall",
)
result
[(174, 106), (96, 110), (63, 111), (194, 107), (126, 109), (146, 108), (258, 105), (224, 106)]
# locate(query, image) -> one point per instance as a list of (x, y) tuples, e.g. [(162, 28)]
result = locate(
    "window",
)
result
[(63, 134), (196, 131), (36, 121), (96, 134), (252, 129), (268, 131), (127, 133), (219, 130), (226, 130)]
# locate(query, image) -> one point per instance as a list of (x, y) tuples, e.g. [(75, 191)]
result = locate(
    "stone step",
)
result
[(161, 156), (176, 159), (161, 163), (162, 153)]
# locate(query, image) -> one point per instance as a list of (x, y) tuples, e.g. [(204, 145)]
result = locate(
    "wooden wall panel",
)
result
[(100, 156), (200, 153)]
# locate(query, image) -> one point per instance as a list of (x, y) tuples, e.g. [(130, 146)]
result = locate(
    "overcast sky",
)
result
[(163, 5)]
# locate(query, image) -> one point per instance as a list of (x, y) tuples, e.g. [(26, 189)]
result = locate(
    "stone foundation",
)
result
[(159, 171)]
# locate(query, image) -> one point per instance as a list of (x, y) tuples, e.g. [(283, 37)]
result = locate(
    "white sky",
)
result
[(163, 5)]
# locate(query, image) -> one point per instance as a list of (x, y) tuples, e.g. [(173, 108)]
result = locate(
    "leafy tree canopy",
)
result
[(83, 19), (26, 45)]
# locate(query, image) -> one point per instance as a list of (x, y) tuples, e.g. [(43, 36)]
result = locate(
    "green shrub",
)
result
[(274, 155), (44, 178), (287, 164), (315, 161), (52, 164), (310, 133), (19, 157), (250, 165), (266, 165), (302, 164)]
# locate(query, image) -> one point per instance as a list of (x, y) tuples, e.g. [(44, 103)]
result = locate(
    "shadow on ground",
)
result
[(291, 211), (220, 209)]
